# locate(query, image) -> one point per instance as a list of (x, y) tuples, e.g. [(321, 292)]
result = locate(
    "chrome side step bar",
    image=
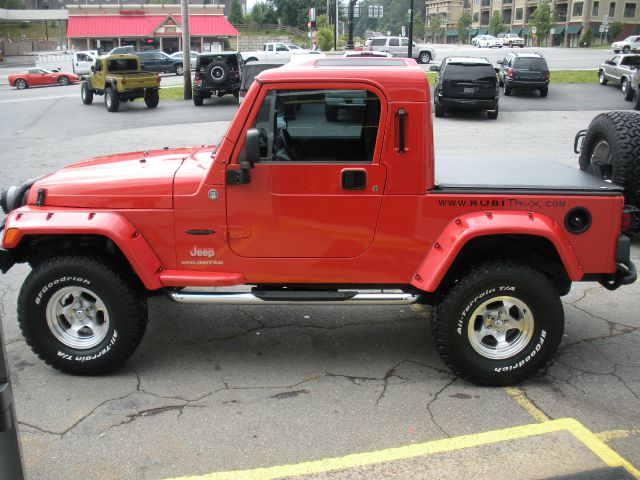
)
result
[(294, 298)]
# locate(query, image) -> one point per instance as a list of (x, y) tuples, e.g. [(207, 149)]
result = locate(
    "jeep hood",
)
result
[(140, 180)]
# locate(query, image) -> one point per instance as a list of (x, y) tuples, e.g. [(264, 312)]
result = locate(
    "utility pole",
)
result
[(335, 37), (410, 52), (350, 24), (186, 49)]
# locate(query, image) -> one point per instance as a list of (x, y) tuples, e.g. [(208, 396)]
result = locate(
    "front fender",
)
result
[(460, 231), (143, 260)]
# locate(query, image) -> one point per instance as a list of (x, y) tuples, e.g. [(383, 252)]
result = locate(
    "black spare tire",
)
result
[(611, 151), (217, 72)]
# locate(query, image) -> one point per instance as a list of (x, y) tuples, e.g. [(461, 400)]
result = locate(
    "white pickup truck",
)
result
[(273, 52), (76, 62)]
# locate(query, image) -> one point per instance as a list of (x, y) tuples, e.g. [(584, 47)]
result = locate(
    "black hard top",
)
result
[(517, 175)]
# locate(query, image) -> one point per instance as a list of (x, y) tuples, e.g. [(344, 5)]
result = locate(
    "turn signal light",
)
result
[(11, 237), (548, 76), (626, 222), (510, 73)]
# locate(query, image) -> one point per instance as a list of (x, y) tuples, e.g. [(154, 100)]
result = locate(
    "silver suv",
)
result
[(399, 46)]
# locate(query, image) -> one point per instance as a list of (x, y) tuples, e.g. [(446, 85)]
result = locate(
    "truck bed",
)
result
[(473, 175)]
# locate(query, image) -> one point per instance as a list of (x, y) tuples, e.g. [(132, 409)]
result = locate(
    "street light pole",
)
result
[(410, 51), (186, 49)]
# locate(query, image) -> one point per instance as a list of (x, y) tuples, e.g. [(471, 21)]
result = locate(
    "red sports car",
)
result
[(41, 76)]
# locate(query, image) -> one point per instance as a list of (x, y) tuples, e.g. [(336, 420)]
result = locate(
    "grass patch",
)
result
[(172, 93)]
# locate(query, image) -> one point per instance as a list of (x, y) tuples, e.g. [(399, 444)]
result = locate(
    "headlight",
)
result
[(16, 196)]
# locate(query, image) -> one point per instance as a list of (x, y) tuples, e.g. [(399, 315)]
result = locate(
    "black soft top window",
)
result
[(531, 63), (122, 65), (470, 72)]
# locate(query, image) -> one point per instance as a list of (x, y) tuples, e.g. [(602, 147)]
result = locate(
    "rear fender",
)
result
[(118, 229), (463, 229)]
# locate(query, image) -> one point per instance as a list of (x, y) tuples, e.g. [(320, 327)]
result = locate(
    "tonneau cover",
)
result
[(516, 174)]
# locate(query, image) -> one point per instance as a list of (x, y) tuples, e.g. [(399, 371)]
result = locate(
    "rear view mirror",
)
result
[(251, 148), (434, 68)]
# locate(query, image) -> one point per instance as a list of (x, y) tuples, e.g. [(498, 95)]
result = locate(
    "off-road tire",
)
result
[(424, 57), (544, 91), (602, 79), (86, 94), (21, 84), (198, 100), (111, 100), (506, 89), (627, 90), (217, 72), (122, 299), (621, 132), (151, 98), (456, 319)]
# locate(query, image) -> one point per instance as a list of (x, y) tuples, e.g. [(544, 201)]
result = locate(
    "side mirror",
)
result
[(434, 68), (499, 62), (251, 148)]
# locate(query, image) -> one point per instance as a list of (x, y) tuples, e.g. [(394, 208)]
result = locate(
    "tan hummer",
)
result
[(119, 78)]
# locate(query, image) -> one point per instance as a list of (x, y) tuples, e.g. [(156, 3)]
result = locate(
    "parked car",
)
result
[(273, 52), (399, 46), (526, 71), (466, 83), (368, 54), (41, 76), (127, 49), (249, 72), (635, 89), (177, 57), (511, 40), (217, 74), (157, 61), (487, 41), (629, 44), (619, 70)]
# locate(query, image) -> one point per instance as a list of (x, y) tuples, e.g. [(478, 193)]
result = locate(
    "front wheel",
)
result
[(626, 49), (636, 99), (507, 90), (424, 57), (81, 315), (602, 79), (499, 324)]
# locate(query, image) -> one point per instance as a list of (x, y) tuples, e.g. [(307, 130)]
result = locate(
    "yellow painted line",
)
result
[(616, 434), (607, 455), (521, 399)]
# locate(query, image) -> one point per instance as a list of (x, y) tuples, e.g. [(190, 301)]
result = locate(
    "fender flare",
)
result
[(117, 228), (460, 231)]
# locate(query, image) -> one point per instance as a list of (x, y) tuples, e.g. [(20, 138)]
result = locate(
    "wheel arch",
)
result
[(106, 234), (525, 237)]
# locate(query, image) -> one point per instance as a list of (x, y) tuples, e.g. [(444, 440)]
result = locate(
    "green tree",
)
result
[(587, 38), (541, 20), (12, 4), (435, 27), (495, 23), (294, 12), (263, 13), (235, 13), (325, 38), (463, 26), (615, 28)]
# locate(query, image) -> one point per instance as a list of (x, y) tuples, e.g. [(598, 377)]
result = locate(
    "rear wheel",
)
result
[(81, 315), (544, 91), (499, 324), (636, 99), (197, 99), (507, 90), (438, 110), (151, 98), (611, 151), (179, 69), (627, 91), (111, 100), (86, 94), (20, 84), (602, 79), (63, 80), (424, 57)]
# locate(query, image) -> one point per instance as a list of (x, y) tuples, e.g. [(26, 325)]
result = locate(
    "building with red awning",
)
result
[(103, 27)]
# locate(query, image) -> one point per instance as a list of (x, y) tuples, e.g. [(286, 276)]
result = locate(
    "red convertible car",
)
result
[(41, 76)]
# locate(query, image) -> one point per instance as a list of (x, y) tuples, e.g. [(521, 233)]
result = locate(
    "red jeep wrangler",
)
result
[(305, 207)]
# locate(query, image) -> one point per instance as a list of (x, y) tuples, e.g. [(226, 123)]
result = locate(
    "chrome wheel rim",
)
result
[(77, 317), (20, 84), (500, 327), (625, 85), (180, 70), (425, 57), (107, 98), (63, 80), (217, 73), (601, 164)]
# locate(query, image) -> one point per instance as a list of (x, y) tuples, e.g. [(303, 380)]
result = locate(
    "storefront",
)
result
[(145, 27)]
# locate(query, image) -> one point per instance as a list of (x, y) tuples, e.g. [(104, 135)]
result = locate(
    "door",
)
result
[(82, 63), (317, 189), (394, 47), (10, 458)]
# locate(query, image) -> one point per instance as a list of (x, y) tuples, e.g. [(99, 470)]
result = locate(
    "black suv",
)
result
[(156, 61), (528, 71), (466, 83), (216, 74)]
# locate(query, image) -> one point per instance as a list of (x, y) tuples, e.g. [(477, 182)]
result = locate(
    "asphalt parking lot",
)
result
[(320, 392)]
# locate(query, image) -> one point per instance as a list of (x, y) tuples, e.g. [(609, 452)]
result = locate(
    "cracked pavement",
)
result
[(227, 387)]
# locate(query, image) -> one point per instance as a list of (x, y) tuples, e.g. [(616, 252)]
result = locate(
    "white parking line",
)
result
[(37, 98)]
